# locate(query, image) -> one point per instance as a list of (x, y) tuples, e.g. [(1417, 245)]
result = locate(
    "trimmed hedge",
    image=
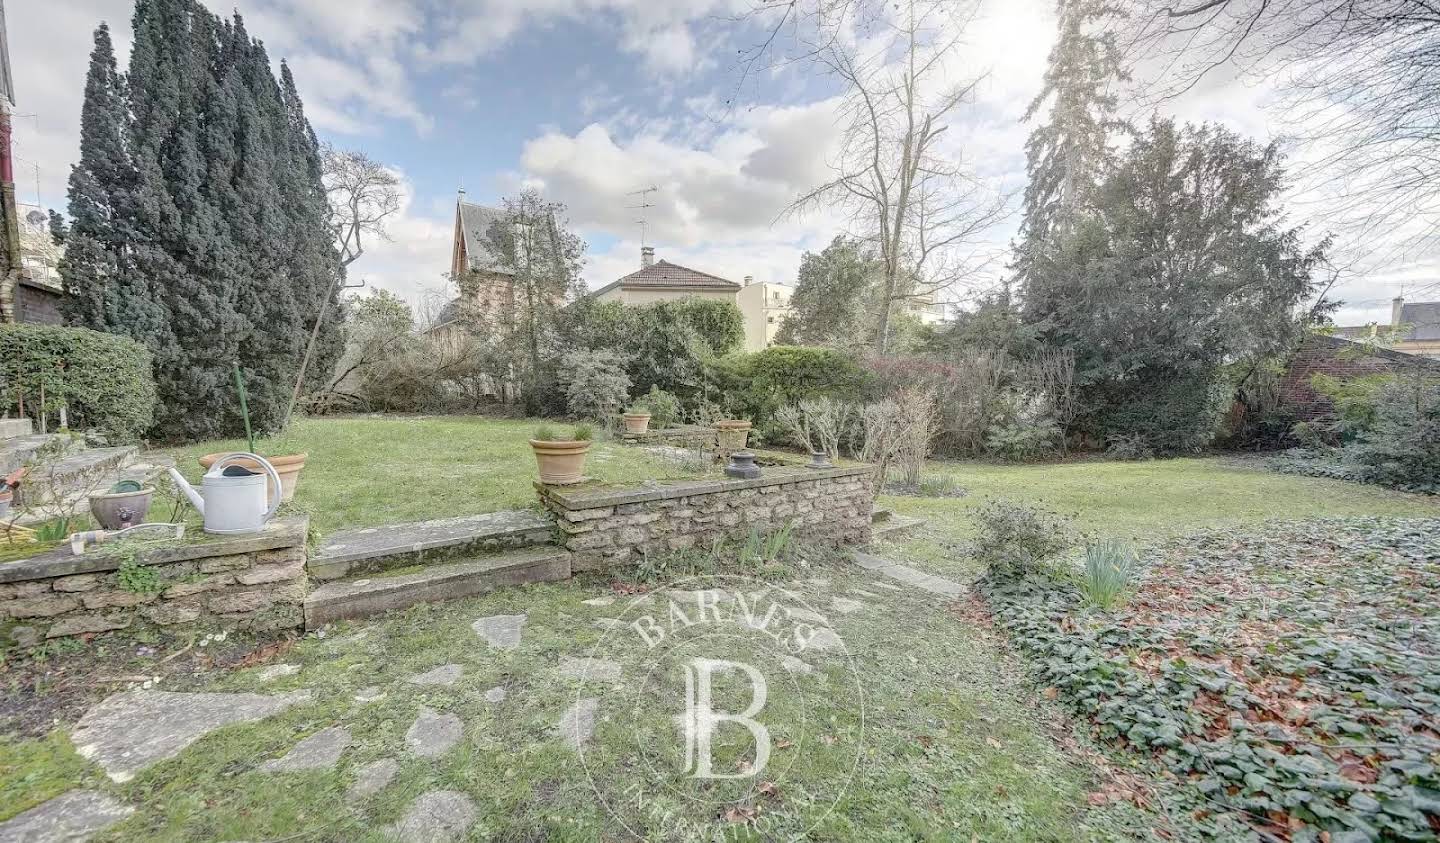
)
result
[(760, 383), (104, 380)]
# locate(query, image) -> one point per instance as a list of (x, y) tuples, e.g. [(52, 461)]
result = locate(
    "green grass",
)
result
[(954, 745), (1137, 500), (364, 471)]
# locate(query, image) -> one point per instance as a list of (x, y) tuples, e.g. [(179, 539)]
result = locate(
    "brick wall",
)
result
[(1339, 359), (615, 526), (254, 582)]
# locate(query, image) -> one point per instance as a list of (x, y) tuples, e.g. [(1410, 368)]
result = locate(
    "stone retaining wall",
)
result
[(688, 436), (254, 582), (603, 527)]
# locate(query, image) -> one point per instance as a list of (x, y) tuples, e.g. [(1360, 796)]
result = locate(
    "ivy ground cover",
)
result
[(1287, 676)]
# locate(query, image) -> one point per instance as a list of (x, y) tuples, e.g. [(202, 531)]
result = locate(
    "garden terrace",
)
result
[(607, 525)]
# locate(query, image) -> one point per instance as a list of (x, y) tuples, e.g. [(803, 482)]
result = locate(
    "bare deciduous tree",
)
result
[(362, 195), (904, 192), (1359, 81)]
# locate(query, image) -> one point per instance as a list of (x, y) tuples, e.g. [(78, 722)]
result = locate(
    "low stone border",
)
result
[(256, 582), (682, 436), (605, 526)]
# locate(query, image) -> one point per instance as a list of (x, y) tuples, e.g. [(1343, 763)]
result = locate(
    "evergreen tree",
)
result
[(836, 293), (199, 219), (1066, 158)]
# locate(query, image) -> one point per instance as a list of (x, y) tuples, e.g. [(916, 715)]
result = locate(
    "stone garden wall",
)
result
[(610, 526), (255, 582)]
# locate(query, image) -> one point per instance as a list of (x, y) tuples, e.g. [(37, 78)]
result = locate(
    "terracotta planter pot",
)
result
[(118, 510), (287, 467), (561, 463), (637, 422), (731, 434)]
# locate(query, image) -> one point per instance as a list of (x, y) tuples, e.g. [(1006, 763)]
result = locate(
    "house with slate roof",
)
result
[(665, 281), (1414, 329)]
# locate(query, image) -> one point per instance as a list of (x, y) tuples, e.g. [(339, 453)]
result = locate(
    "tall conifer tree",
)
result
[(1067, 156), (199, 217)]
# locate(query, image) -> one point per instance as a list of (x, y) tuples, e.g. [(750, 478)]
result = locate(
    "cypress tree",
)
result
[(199, 217)]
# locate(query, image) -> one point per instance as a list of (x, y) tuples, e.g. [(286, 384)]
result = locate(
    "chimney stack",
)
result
[(647, 257), (749, 279), (1395, 307)]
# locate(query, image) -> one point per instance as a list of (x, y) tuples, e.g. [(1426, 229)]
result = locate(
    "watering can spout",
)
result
[(183, 485)]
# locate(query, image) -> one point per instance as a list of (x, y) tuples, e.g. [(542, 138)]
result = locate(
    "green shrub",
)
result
[(545, 433), (1104, 582), (103, 380), (1014, 539), (1356, 400), (1023, 440), (1128, 446), (757, 385), (663, 407), (1175, 412), (1401, 449), (596, 384)]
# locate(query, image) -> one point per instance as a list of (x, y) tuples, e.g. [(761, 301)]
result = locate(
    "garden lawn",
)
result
[(1142, 501), (951, 743), (371, 470)]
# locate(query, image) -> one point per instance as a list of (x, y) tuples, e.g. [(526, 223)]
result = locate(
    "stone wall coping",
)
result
[(775, 475), (60, 562)]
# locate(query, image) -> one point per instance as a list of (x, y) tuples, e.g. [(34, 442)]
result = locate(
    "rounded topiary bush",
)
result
[(103, 380)]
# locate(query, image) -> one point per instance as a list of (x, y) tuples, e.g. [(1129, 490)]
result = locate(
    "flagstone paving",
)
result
[(495, 695), (501, 631), (577, 724), (321, 750), (129, 731), (910, 576), (845, 605), (445, 674), (436, 817), (71, 816), (373, 778), (433, 734)]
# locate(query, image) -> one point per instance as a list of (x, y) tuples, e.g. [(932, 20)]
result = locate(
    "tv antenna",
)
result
[(644, 194)]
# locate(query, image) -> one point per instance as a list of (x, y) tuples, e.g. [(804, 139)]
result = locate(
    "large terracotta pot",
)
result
[(731, 434), (287, 467), (118, 510), (561, 463), (637, 422)]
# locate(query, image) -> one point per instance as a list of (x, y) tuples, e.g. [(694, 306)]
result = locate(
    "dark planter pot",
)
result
[(819, 459), (742, 466), (118, 510)]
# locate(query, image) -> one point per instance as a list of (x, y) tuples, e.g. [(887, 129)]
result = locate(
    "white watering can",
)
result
[(232, 498)]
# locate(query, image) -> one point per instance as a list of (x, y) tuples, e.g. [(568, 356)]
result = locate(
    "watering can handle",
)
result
[(265, 464)]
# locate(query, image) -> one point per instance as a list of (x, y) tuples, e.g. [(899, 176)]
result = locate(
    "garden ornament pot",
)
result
[(731, 434), (637, 422), (742, 466), (288, 467), (819, 459), (561, 463), (232, 498), (118, 509)]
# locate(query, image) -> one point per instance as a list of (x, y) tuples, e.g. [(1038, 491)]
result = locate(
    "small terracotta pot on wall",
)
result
[(561, 462), (287, 467), (637, 422), (118, 510), (732, 434)]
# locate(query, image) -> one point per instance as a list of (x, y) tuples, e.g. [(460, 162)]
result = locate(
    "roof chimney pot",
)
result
[(647, 257), (749, 279)]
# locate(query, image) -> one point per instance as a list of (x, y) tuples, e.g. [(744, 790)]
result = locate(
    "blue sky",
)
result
[(587, 99)]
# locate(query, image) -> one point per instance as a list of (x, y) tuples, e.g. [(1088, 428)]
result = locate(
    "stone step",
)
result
[(894, 527), (358, 598), (73, 475), (16, 451), (373, 549), (11, 428)]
